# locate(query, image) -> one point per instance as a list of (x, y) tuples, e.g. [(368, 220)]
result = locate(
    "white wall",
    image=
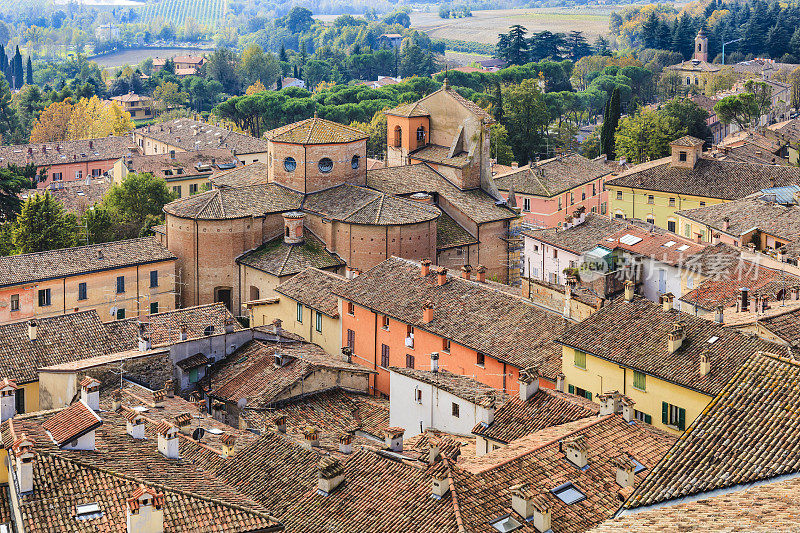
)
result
[(651, 285), (541, 262), (435, 411)]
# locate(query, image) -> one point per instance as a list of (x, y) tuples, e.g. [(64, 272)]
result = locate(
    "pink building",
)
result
[(551, 191)]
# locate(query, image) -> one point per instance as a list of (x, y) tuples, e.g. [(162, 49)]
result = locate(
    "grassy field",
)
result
[(484, 26), (207, 12)]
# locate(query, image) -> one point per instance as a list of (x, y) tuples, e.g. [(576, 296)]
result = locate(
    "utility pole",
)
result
[(729, 42)]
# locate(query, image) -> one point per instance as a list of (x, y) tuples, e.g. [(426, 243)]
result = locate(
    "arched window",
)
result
[(699, 47), (325, 165), (398, 136), (356, 161), (421, 135), (287, 231)]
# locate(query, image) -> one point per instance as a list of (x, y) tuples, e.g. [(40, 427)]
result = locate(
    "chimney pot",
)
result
[(625, 470), (330, 474), (719, 315), (427, 311), (441, 276), (394, 438), (528, 383), (531, 506), (629, 290), (440, 483), (575, 449), (228, 445), (346, 443), (23, 453), (90, 393), (481, 277), (145, 511), (466, 272), (169, 388), (666, 301), (675, 337), (134, 424), (628, 413), (705, 363), (168, 439), (280, 423), (610, 403), (276, 327), (560, 378), (425, 269), (434, 361), (310, 437), (33, 330)]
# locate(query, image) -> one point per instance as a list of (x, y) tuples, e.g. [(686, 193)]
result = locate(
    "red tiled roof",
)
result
[(71, 423)]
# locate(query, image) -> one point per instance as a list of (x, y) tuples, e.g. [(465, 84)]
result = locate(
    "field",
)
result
[(484, 26), (136, 56), (206, 12)]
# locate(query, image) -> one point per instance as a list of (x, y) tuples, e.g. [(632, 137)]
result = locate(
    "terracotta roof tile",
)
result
[(315, 131), (581, 238), (191, 135), (360, 205), (552, 176), (314, 288), (236, 202), (280, 259), (253, 174), (747, 214), (75, 196), (71, 423), (785, 325), (463, 387), (59, 153)]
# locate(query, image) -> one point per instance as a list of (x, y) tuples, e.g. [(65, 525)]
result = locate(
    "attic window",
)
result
[(568, 493), (683, 247), (88, 511), (629, 239), (505, 523), (713, 339), (669, 244)]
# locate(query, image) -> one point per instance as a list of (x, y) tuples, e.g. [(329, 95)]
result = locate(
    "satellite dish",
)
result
[(242, 403), (198, 433)]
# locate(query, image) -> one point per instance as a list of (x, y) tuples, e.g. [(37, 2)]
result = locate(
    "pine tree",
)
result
[(650, 30), (29, 72), (43, 225), (279, 85), (3, 59), (497, 108), (282, 55)]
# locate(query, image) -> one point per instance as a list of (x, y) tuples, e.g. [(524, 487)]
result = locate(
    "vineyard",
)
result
[(205, 12)]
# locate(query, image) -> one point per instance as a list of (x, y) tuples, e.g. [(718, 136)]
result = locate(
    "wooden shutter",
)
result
[(648, 419), (681, 419), (571, 389), (665, 413)]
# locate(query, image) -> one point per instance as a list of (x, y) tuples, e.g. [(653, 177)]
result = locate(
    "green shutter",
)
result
[(665, 413), (681, 419), (648, 419), (588, 395), (571, 389)]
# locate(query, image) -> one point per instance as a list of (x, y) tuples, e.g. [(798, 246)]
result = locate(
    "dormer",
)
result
[(145, 511), (8, 405), (168, 440), (90, 392), (686, 151)]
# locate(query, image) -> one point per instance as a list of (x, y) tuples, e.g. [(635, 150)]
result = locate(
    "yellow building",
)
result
[(669, 363), (687, 179), (306, 306), (140, 107)]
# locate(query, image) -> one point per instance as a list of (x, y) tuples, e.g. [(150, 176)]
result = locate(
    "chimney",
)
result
[(466, 272), (145, 511), (441, 276), (134, 424), (705, 363), (280, 423), (228, 443), (628, 413), (183, 421), (351, 272), (427, 312), (172, 154), (346, 443), (666, 301), (158, 398), (425, 269), (90, 393), (514, 165), (434, 361), (528, 383), (144, 339), (675, 337), (719, 315), (347, 354), (310, 437), (560, 382), (276, 327), (531, 506), (440, 482), (572, 281), (293, 227), (481, 277), (33, 330), (394, 438), (610, 403), (168, 439), (23, 453), (629, 290), (744, 299), (575, 450), (8, 405), (330, 474), (116, 400), (169, 388), (230, 325), (625, 468)]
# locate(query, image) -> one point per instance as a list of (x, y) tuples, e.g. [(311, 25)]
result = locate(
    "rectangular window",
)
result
[(642, 417), (671, 225), (682, 156), (177, 190), (672, 202), (121, 314), (619, 215), (446, 345), (351, 309), (82, 291), (568, 493), (351, 339), (580, 359), (571, 198), (56, 176), (559, 203), (555, 253), (96, 172), (44, 297), (603, 208), (418, 395), (318, 325), (194, 376), (702, 204), (153, 278), (651, 199), (639, 380), (192, 188), (384, 356), (687, 230), (299, 312), (19, 400), (120, 284), (454, 410), (594, 189), (689, 282), (481, 360), (672, 415), (526, 204), (153, 308), (15, 302), (619, 195), (409, 361), (78, 174), (385, 322), (583, 195)]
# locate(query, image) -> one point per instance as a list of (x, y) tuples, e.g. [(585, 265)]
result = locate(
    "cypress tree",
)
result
[(610, 123), (29, 72), (17, 69), (3, 59)]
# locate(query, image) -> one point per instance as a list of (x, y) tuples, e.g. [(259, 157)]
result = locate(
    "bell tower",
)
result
[(701, 46)]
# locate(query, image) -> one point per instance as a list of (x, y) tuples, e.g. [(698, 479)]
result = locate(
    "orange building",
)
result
[(401, 312)]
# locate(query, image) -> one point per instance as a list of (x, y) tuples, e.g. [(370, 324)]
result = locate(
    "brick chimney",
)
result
[(575, 449), (675, 337), (23, 454), (528, 383), (183, 421), (134, 424), (90, 393), (630, 287), (531, 506), (169, 388), (427, 312), (481, 274), (330, 474), (310, 437), (168, 440), (116, 400), (425, 267), (228, 445), (8, 404), (466, 272), (628, 413), (145, 511), (625, 468), (293, 227), (346, 443), (33, 330), (280, 423), (441, 276), (705, 363), (434, 361), (394, 438), (610, 403), (666, 301)]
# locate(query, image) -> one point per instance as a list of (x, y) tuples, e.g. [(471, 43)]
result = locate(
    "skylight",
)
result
[(669, 244), (86, 511), (568, 493), (713, 339), (214, 431), (629, 239), (683, 247), (505, 523), (639, 466)]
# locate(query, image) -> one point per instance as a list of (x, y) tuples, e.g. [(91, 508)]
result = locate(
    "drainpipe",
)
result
[(196, 262)]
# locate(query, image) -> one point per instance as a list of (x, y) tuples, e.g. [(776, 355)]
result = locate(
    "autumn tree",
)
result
[(92, 118), (53, 123), (168, 95), (255, 88)]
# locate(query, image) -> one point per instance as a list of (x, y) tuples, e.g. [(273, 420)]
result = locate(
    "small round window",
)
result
[(356, 161), (289, 164), (325, 165)]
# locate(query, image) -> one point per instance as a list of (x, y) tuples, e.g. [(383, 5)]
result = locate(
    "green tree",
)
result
[(221, 66), (526, 119), (9, 121), (132, 203), (500, 147), (29, 72), (255, 65), (513, 46), (100, 225), (741, 109), (18, 79), (690, 116), (646, 136), (12, 182), (610, 123), (43, 225)]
